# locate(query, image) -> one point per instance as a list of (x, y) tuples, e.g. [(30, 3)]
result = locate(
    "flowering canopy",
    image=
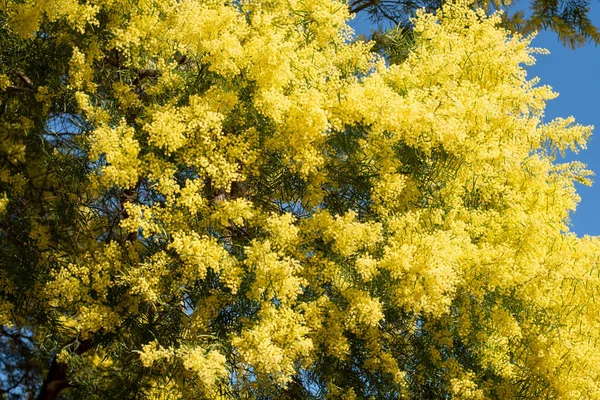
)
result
[(207, 199)]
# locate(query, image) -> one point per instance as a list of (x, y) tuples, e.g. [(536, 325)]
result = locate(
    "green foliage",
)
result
[(569, 19)]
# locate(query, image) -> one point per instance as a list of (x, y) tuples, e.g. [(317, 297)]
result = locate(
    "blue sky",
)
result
[(575, 75)]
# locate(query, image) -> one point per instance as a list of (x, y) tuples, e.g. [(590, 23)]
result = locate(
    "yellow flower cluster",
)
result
[(347, 234), (198, 254), (121, 152), (4, 81), (209, 367), (153, 352), (275, 275), (274, 344)]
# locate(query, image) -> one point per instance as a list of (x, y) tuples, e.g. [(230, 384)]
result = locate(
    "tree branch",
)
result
[(357, 6), (25, 79), (56, 379)]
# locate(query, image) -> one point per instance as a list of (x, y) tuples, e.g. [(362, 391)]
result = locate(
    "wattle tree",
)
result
[(204, 199)]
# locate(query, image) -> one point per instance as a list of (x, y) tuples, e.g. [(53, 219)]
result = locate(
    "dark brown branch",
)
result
[(15, 385), (19, 88), (357, 6), (55, 382), (141, 73), (25, 79), (129, 196), (56, 379)]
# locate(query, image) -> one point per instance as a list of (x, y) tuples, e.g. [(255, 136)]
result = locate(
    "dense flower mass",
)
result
[(239, 200)]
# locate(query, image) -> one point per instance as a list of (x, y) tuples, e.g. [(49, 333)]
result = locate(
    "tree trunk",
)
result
[(57, 380)]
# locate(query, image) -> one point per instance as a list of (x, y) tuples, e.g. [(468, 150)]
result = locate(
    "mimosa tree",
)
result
[(208, 199)]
